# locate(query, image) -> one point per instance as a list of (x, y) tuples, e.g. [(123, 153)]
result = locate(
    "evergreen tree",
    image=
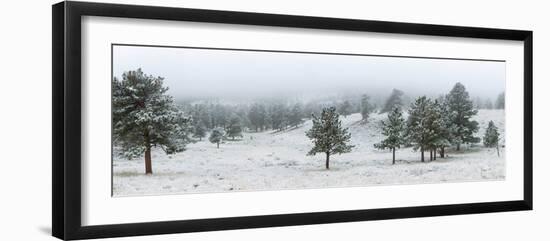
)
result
[(200, 114), (499, 103), (220, 116), (328, 135), (257, 116), (278, 117), (345, 108), (216, 136), (366, 107), (460, 111), (199, 131), (295, 115), (491, 137), (436, 124), (419, 133), (443, 138), (395, 100), (144, 116), (234, 128), (393, 129)]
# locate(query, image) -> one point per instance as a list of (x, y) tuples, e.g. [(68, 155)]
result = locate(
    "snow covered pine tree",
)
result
[(395, 100), (234, 129), (295, 116), (441, 139), (418, 127), (460, 109), (437, 128), (366, 108), (199, 131), (216, 136), (144, 116), (257, 116), (345, 108), (491, 137), (328, 135), (393, 129)]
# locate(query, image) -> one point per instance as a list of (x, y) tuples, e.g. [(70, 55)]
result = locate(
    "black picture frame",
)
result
[(66, 128)]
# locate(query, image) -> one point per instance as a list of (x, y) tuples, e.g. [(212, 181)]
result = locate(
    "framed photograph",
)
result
[(171, 120)]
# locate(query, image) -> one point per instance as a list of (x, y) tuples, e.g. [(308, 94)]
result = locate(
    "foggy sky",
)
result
[(229, 74)]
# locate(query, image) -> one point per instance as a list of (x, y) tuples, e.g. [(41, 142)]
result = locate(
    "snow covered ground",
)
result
[(271, 161)]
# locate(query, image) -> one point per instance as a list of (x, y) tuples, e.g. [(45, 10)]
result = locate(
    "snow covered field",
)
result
[(271, 161)]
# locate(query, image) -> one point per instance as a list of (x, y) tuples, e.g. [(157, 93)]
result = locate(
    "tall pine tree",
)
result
[(278, 117), (328, 135), (345, 108), (419, 133), (442, 139), (395, 100), (234, 128), (295, 115), (394, 130), (199, 131), (366, 107), (460, 111), (144, 116), (491, 137), (435, 122), (257, 116)]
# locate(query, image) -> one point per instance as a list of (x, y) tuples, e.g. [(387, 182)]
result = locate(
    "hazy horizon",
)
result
[(237, 75)]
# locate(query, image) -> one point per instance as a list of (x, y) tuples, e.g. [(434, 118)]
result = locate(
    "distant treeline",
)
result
[(280, 115)]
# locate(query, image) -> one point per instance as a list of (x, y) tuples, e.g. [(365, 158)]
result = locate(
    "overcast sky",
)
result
[(226, 74)]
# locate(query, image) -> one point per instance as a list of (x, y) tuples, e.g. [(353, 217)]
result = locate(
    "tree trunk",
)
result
[(442, 152), (328, 157), (393, 158), (422, 153), (458, 146), (498, 151), (435, 153), (431, 155), (218, 145), (148, 167)]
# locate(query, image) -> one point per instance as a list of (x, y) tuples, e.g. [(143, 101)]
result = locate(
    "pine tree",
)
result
[(499, 103), (199, 131), (257, 116), (491, 137), (220, 116), (328, 135), (144, 116), (216, 136), (278, 117), (345, 108), (234, 128), (366, 107), (443, 138), (393, 129), (418, 130), (395, 100), (295, 115), (436, 124), (460, 111)]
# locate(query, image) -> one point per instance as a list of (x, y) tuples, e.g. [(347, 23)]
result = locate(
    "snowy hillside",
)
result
[(277, 160)]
